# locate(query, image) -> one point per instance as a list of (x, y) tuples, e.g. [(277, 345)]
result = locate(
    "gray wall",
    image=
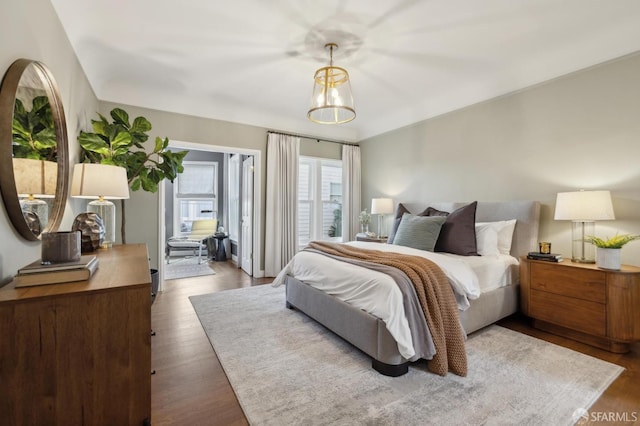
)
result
[(581, 131), (31, 29)]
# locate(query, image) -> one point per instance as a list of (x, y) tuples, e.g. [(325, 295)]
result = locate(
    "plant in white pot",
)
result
[(608, 251)]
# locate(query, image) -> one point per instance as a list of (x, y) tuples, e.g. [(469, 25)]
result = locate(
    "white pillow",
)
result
[(504, 230), (487, 239)]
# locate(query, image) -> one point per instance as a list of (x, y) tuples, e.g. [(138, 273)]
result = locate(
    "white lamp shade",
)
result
[(35, 177), (99, 180), (381, 206), (584, 206)]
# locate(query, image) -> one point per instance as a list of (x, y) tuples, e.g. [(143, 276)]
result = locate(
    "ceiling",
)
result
[(252, 61)]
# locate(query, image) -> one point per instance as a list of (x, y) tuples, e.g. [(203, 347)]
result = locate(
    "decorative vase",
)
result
[(91, 228), (364, 228), (608, 258)]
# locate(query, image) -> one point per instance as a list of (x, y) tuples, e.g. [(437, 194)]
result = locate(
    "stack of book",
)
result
[(38, 273), (549, 257)]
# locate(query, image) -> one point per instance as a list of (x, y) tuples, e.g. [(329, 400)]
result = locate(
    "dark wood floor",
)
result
[(190, 387)]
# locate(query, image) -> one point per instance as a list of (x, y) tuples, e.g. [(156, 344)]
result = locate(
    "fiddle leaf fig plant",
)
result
[(33, 131), (121, 143)]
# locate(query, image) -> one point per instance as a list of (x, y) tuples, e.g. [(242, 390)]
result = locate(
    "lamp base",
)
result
[(107, 211), (582, 251)]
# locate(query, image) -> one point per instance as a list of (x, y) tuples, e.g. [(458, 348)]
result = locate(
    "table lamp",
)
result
[(381, 207), (583, 208), (35, 179), (102, 183)]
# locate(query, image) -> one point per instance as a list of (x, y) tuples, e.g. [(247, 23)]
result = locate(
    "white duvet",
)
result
[(377, 293)]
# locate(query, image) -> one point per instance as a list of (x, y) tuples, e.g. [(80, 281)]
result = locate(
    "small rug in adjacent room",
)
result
[(287, 369), (185, 268)]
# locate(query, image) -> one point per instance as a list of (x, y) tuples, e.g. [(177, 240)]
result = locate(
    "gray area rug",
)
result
[(185, 268), (287, 369)]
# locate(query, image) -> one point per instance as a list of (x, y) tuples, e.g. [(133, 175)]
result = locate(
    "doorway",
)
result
[(244, 247)]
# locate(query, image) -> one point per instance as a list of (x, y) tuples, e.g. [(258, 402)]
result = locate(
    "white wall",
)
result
[(581, 131), (31, 29)]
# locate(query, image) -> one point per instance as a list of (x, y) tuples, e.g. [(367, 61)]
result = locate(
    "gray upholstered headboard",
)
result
[(526, 213)]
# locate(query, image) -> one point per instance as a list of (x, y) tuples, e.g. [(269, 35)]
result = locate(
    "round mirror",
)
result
[(34, 157)]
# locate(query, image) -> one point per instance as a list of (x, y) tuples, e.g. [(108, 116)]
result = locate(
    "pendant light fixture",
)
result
[(331, 100)]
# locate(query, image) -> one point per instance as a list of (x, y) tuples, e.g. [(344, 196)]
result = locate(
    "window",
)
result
[(195, 195), (319, 200)]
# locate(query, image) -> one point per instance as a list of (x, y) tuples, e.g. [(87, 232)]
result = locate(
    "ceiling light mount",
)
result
[(331, 99)]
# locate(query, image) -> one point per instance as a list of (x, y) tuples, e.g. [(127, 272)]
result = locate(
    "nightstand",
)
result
[(582, 302), (364, 237)]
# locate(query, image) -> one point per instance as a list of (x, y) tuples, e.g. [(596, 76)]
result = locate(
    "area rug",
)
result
[(185, 268), (287, 369)]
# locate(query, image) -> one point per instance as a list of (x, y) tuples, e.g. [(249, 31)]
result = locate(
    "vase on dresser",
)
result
[(608, 258)]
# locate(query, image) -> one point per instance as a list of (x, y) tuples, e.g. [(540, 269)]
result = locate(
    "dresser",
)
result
[(79, 353), (582, 302)]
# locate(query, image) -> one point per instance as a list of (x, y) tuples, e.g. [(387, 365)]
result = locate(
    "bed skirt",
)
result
[(369, 333)]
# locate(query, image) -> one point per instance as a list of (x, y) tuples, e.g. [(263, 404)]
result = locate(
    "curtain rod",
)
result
[(313, 138)]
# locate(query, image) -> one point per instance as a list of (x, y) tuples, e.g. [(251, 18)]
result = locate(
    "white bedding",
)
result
[(378, 294), (492, 271)]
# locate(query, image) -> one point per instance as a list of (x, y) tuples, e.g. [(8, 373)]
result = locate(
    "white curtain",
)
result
[(281, 220), (350, 191)]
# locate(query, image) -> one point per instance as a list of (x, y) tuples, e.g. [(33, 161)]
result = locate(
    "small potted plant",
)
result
[(608, 250)]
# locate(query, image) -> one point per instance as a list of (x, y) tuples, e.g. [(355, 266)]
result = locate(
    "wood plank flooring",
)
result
[(190, 387)]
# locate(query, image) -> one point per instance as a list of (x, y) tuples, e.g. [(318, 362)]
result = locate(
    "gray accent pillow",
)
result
[(458, 234), (419, 232)]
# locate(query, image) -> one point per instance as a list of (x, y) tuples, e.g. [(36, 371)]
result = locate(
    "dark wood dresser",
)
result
[(79, 353)]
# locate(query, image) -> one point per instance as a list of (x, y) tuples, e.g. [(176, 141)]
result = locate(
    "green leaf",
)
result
[(140, 125), (18, 108), (46, 139), (135, 184), (122, 139), (99, 127), (18, 129), (40, 103), (138, 139), (121, 117), (94, 143), (159, 145)]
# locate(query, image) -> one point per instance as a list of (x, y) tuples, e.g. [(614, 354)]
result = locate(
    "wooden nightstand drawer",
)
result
[(582, 302), (576, 314), (582, 284)]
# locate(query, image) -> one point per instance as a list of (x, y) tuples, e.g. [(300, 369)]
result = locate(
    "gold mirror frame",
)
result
[(8, 93)]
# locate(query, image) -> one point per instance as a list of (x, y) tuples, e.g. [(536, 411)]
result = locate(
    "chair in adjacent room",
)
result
[(201, 231)]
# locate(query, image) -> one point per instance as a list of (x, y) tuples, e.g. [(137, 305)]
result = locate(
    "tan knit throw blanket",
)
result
[(436, 299)]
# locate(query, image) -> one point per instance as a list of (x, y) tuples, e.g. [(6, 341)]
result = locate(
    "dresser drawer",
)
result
[(582, 284), (577, 314)]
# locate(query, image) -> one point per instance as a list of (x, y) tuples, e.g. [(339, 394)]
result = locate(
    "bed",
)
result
[(481, 303)]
